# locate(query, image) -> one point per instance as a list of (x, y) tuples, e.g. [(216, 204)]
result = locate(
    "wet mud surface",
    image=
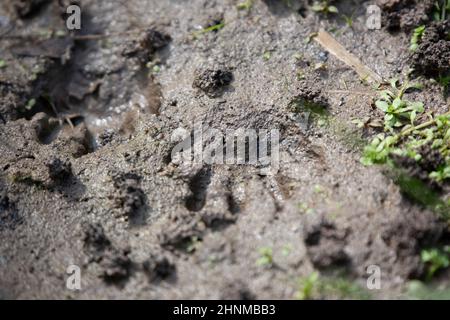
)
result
[(86, 133)]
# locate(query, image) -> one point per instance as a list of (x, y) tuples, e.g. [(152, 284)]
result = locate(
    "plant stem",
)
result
[(421, 126)]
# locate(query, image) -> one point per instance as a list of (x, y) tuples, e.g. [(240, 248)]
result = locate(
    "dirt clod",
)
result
[(405, 14), (212, 80), (59, 170), (432, 58)]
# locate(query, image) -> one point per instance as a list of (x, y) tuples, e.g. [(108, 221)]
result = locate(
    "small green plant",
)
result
[(436, 259), (324, 7), (193, 244), (30, 104), (267, 55), (308, 287), (305, 209), (286, 250), (396, 109), (417, 38), (2, 63), (405, 139), (246, 5), (213, 28), (266, 257), (316, 287), (348, 20)]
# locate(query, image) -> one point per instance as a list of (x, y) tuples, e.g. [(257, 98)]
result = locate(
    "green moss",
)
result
[(315, 286), (418, 290), (419, 192)]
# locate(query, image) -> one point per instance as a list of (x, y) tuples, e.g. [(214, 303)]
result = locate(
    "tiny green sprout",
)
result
[(246, 5), (304, 208), (266, 257), (417, 38), (30, 104), (286, 251), (193, 244), (213, 28), (61, 33), (300, 75), (324, 7), (309, 38), (2, 63), (318, 189), (436, 260), (156, 69), (378, 151), (348, 20), (307, 286)]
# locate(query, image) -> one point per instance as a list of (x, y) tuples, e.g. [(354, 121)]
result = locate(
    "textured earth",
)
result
[(86, 170)]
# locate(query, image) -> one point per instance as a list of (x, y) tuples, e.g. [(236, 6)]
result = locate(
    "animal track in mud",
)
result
[(115, 263), (199, 187), (74, 89)]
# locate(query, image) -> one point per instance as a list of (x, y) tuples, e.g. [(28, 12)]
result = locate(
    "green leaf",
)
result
[(394, 83), (382, 105), (333, 9), (417, 106)]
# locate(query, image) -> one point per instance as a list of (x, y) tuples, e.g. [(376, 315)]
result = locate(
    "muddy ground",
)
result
[(87, 179)]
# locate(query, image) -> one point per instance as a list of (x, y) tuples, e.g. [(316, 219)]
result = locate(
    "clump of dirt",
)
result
[(325, 243), (59, 170), (115, 263), (405, 14), (309, 95), (212, 81), (432, 58)]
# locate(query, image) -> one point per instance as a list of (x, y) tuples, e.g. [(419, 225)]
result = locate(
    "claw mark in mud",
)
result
[(159, 267), (199, 187), (115, 263), (213, 80), (180, 233), (325, 243), (130, 198), (9, 215)]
